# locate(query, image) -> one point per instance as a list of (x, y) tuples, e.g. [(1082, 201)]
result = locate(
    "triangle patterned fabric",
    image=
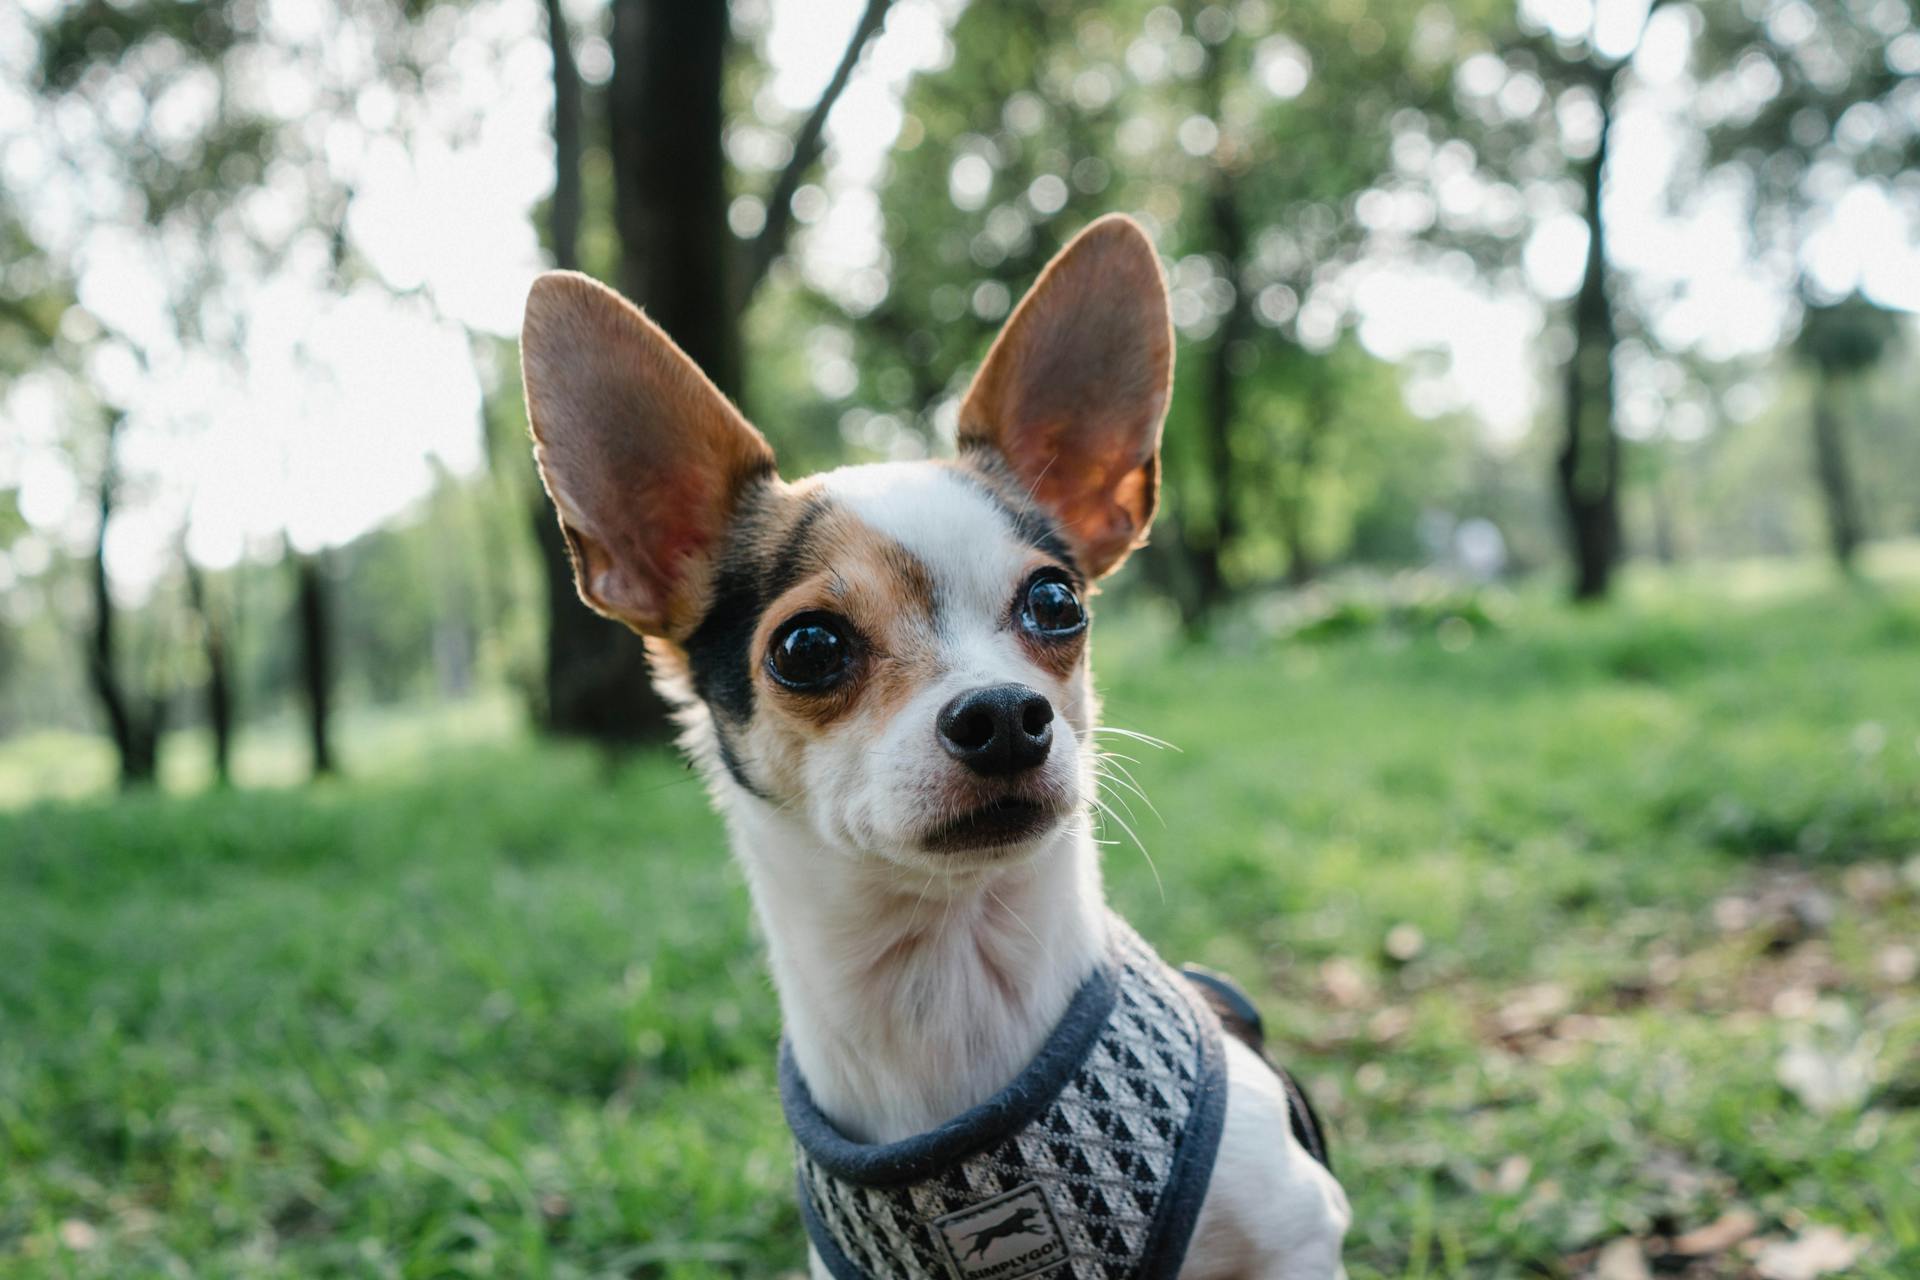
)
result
[(1092, 1164)]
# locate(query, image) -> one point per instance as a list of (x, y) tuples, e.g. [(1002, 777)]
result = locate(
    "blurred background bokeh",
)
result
[(1536, 599), (1499, 293)]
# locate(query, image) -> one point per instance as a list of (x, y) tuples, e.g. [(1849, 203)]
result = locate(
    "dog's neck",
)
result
[(909, 999)]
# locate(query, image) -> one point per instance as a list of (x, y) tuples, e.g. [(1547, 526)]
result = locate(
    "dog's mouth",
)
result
[(1006, 821)]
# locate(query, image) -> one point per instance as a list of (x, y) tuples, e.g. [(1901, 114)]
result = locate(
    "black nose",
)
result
[(1005, 728)]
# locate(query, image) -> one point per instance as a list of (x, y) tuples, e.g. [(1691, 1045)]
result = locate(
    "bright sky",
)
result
[(343, 407)]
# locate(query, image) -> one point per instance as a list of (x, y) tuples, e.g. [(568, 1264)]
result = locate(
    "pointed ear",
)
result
[(643, 457), (1073, 393)]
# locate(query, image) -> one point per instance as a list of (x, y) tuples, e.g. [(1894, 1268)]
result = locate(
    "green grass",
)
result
[(1520, 903)]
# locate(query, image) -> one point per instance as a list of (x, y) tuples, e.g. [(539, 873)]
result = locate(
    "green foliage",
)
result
[(1509, 906), (1244, 137)]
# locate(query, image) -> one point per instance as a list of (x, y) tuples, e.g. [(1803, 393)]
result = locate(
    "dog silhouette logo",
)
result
[(1018, 1223), (1009, 1236)]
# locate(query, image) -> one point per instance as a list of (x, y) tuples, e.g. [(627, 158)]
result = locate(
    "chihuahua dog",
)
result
[(882, 671)]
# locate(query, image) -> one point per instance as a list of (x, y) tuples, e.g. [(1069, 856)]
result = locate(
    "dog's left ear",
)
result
[(1074, 391)]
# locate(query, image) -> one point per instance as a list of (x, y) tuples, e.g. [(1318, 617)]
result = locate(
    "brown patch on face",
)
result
[(1059, 656), (885, 597)]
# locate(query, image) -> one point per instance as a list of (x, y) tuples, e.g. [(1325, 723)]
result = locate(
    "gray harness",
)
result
[(1092, 1164)]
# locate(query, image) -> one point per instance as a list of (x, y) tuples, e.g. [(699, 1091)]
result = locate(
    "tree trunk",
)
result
[(596, 679), (670, 188), (314, 621), (1830, 466), (1589, 462), (563, 218), (219, 692), (134, 723), (1222, 388)]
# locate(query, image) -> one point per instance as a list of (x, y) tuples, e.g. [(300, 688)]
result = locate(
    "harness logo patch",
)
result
[(1009, 1236)]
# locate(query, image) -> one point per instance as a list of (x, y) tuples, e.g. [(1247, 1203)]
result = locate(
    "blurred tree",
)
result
[(1295, 126), (1807, 102), (171, 157), (678, 259), (313, 642), (596, 682), (1840, 341), (135, 717), (1538, 109), (212, 620), (1245, 136)]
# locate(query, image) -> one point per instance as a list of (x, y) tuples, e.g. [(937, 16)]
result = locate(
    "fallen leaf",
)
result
[(1344, 984), (1819, 1251), (1531, 1008), (1870, 883), (1724, 1232), (78, 1235), (1404, 942), (1389, 1024), (1732, 914), (1512, 1174), (1621, 1260), (1897, 963), (1827, 1080)]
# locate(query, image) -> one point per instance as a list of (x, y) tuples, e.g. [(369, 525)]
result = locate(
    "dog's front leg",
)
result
[(1272, 1211)]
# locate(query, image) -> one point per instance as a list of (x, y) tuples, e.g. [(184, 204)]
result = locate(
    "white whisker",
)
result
[(1146, 738), (1137, 843), (1134, 787)]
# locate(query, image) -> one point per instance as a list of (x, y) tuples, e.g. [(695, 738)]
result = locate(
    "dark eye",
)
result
[(809, 654), (1051, 608)]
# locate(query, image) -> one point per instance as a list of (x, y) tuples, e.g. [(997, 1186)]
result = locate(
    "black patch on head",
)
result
[(720, 650), (1031, 525), (717, 651), (797, 556), (731, 759)]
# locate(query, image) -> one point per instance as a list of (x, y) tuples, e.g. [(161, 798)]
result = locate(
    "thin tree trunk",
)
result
[(1836, 478), (1589, 462), (219, 691), (315, 628), (133, 723)]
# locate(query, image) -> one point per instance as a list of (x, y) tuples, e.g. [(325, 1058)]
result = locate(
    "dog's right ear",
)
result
[(642, 455)]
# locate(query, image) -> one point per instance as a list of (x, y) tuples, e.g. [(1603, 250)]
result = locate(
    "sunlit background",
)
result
[(265, 263)]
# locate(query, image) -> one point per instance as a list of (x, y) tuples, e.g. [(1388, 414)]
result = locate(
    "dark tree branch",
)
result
[(807, 145)]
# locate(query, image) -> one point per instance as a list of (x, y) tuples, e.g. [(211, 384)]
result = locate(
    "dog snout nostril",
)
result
[(973, 731), (1036, 715), (1002, 729)]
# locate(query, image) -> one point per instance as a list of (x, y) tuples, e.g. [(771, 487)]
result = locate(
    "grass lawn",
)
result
[(1588, 932)]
